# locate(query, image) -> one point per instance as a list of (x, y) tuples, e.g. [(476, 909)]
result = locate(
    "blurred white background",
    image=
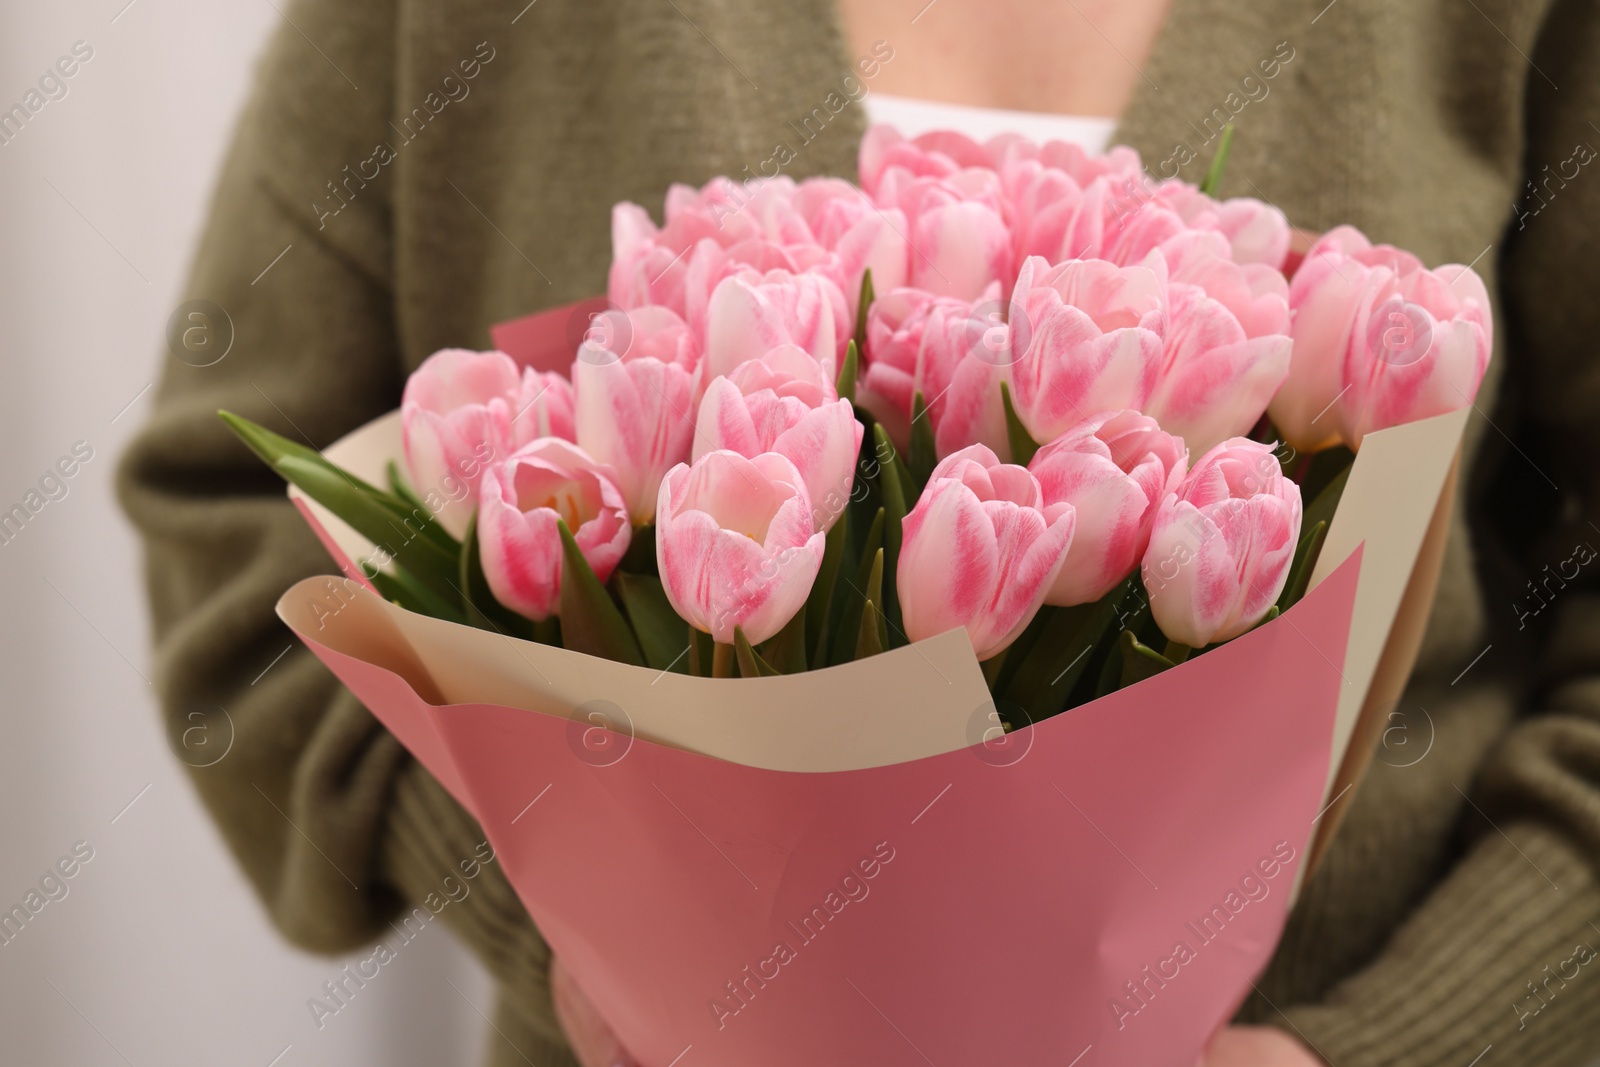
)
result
[(159, 954)]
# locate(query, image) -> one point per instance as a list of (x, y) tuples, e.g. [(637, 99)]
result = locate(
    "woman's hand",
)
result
[(592, 1040), (1257, 1046)]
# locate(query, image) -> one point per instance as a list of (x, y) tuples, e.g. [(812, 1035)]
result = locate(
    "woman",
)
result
[(425, 172)]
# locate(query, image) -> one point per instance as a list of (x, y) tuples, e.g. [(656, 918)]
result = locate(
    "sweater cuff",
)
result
[(1502, 954), (438, 858)]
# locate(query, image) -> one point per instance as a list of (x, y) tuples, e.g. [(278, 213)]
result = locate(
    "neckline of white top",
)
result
[(913, 117)]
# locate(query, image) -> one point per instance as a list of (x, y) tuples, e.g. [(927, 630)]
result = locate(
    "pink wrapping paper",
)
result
[(547, 340), (1098, 889)]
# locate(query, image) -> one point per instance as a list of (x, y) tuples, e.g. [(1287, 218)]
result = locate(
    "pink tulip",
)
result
[(750, 314), (1046, 193), (901, 361), (1095, 342), (1325, 295), (735, 543), (784, 403), (1066, 157), (955, 353), (978, 345), (709, 264), (549, 412), (941, 153), (1226, 349), (635, 409), (858, 235), (650, 265), (1378, 340), (959, 239), (1118, 220), (1113, 471), (1256, 232), (936, 155), (1429, 341), (463, 410), (1222, 544), (524, 497), (1043, 204), (979, 552)]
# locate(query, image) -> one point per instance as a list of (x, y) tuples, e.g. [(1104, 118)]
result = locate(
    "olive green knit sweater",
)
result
[(426, 170)]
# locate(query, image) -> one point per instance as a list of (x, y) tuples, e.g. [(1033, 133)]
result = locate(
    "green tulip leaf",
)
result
[(1139, 660), (893, 483), (863, 304), (702, 651), (1305, 558), (751, 665), (1023, 446), (873, 637), (401, 489), (590, 621), (641, 555), (855, 597), (819, 605), (398, 590), (382, 518), (786, 650), (655, 621), (434, 567), (924, 457), (1219, 163), (846, 382)]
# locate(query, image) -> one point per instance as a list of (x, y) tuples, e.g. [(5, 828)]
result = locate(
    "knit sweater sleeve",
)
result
[(335, 825), (1502, 953)]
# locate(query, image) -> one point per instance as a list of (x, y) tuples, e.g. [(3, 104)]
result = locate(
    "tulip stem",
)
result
[(722, 661), (1176, 652)]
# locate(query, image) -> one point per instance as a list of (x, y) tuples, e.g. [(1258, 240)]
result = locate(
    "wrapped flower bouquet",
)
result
[(933, 621)]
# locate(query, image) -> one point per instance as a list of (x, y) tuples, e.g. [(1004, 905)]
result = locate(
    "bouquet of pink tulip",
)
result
[(1061, 400), (1006, 389)]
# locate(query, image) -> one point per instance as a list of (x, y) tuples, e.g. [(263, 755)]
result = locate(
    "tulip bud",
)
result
[(1256, 232), (1113, 471), (735, 544), (978, 344), (955, 353), (909, 352), (936, 155), (979, 552), (860, 235), (1333, 293), (709, 264), (519, 539), (651, 266), (784, 403), (1226, 349), (749, 315), (462, 411), (1095, 345), (1222, 544), (635, 408), (1418, 348), (960, 243)]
